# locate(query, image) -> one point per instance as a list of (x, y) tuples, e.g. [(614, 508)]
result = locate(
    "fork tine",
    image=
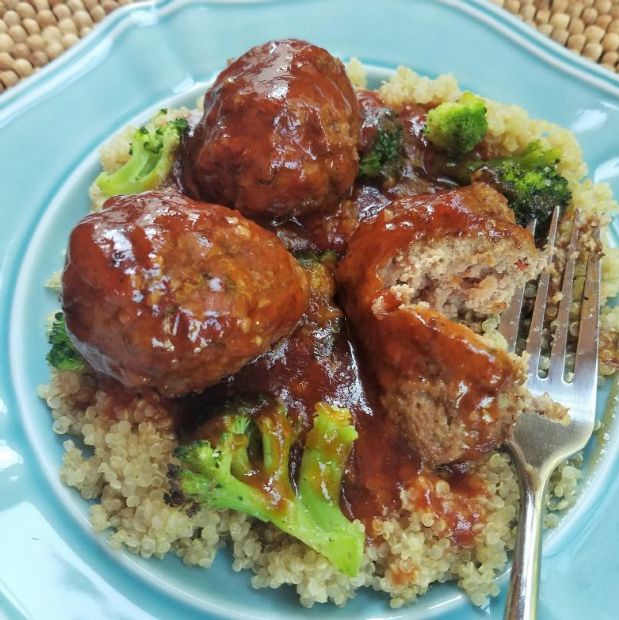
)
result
[(510, 318), (557, 354), (534, 340), (586, 368)]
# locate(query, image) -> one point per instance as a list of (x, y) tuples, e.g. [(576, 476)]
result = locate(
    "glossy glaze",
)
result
[(374, 112), (163, 291), (414, 349), (44, 524), (423, 171), (319, 361), (279, 133), (424, 218)]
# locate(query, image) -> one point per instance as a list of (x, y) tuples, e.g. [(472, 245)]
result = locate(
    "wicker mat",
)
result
[(33, 32)]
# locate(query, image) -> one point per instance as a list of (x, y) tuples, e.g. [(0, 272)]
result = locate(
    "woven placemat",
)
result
[(33, 32), (587, 27)]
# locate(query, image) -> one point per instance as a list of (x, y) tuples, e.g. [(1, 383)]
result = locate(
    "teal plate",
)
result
[(52, 565)]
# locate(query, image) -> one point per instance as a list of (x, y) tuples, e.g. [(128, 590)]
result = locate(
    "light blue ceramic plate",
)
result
[(52, 566)]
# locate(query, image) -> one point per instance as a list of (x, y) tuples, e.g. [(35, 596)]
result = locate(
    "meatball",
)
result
[(163, 291), (453, 395), (407, 277), (279, 133), (459, 250)]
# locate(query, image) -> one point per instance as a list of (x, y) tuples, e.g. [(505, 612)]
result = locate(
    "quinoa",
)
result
[(119, 453), (123, 456)]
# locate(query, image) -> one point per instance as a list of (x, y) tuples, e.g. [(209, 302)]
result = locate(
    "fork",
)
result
[(538, 444)]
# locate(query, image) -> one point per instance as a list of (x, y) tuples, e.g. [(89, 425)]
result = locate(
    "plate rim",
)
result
[(115, 23)]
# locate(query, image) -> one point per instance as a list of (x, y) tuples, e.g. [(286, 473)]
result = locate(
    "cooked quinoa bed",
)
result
[(132, 450), (120, 454)]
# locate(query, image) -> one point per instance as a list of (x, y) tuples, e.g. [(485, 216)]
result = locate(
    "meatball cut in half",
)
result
[(160, 290), (461, 250), (453, 394), (279, 133), (406, 275)]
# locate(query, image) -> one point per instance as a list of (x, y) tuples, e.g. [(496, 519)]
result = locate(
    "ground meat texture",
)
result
[(458, 250), (160, 290), (406, 277), (279, 133), (454, 397)]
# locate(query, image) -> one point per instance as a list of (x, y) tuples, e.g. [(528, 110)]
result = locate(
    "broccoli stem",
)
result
[(225, 476), (153, 152), (327, 448)]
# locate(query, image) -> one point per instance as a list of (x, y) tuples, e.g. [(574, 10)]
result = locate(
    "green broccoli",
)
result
[(63, 354), (248, 471), (327, 448), (457, 127), (152, 157), (530, 181), (384, 159), (308, 258)]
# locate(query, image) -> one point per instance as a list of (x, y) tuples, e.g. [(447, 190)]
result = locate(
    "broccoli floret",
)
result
[(327, 448), (384, 159), (530, 181), (249, 472), (63, 354), (152, 157), (457, 127)]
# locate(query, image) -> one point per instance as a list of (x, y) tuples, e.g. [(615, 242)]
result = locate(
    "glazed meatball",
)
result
[(458, 251), (279, 133), (407, 277), (163, 291)]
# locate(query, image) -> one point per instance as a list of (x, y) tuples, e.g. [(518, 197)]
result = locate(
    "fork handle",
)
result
[(524, 582)]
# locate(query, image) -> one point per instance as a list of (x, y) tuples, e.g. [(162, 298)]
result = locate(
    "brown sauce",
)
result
[(319, 361), (425, 171)]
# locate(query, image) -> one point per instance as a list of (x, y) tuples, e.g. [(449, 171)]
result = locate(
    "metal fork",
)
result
[(538, 444)]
